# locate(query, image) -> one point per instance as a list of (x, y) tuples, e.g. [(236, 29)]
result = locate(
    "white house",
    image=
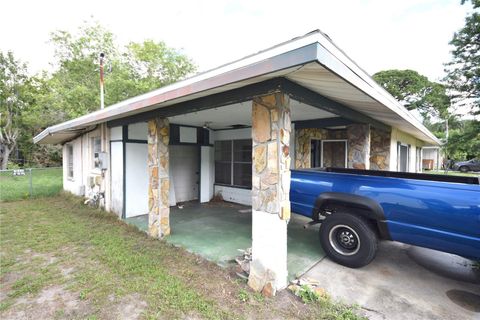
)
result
[(238, 130)]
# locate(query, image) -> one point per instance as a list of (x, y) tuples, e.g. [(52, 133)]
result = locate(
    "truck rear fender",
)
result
[(329, 202)]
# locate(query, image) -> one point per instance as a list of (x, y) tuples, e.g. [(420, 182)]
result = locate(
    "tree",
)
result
[(464, 138), (13, 103), (138, 68), (415, 92), (72, 88), (463, 71), (156, 64)]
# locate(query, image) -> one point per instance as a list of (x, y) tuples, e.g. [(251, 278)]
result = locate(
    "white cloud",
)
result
[(376, 34)]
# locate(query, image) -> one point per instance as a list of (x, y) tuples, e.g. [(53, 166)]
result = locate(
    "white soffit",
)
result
[(241, 114), (316, 78)]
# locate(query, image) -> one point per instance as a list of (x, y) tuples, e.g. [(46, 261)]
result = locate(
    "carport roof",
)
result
[(312, 61)]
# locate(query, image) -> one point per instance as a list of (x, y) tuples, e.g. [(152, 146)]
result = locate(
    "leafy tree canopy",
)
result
[(72, 88), (415, 92), (463, 71), (14, 102), (136, 69)]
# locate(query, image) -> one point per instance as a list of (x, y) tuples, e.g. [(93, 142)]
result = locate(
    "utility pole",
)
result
[(102, 95)]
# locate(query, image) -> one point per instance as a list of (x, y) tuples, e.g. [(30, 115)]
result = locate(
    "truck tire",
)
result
[(348, 239)]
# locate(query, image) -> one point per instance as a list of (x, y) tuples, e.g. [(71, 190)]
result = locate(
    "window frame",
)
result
[(70, 158), (322, 141), (399, 147), (232, 162), (93, 157)]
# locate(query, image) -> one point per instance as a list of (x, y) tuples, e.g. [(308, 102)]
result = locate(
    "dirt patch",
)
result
[(6, 283), (127, 307), (51, 302)]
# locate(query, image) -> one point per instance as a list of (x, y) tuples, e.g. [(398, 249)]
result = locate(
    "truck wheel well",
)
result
[(330, 202)]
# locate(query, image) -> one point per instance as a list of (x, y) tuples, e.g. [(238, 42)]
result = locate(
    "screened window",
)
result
[(69, 161), (233, 163), (96, 149)]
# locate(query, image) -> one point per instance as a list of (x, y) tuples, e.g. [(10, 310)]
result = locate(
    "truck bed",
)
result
[(404, 175)]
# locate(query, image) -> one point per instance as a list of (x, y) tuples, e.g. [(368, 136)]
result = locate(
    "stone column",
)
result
[(379, 149), (358, 136), (158, 179), (271, 126)]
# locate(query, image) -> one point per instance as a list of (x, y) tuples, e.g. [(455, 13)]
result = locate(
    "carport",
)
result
[(217, 230), (235, 132), (241, 153)]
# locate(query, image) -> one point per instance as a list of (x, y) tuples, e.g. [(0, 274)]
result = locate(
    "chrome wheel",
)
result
[(344, 240)]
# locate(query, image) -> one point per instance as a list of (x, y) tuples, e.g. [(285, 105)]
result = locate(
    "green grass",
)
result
[(41, 238), (453, 173), (45, 182)]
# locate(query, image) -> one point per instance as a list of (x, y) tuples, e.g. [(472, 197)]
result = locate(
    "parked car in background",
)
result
[(465, 166)]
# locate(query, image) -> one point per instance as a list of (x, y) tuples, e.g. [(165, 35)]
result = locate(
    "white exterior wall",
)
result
[(435, 155), (74, 184), (405, 138), (237, 195), (83, 165), (116, 170), (236, 134), (136, 179), (116, 176), (207, 173), (184, 171)]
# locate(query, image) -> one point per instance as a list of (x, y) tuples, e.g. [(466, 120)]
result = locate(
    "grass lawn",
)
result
[(62, 260), (453, 173), (45, 182)]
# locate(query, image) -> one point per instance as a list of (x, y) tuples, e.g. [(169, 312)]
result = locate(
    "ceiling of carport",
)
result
[(241, 114)]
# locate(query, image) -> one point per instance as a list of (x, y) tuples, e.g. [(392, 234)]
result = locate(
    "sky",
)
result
[(377, 34)]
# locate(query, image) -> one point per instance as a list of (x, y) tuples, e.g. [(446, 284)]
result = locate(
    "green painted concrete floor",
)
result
[(216, 230)]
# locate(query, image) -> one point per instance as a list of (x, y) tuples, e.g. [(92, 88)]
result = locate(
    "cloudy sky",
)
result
[(377, 34)]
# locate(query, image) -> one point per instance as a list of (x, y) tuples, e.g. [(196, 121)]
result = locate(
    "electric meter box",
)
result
[(103, 160)]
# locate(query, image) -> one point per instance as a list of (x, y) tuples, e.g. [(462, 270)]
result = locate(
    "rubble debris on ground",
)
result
[(304, 285), (243, 261), (298, 286)]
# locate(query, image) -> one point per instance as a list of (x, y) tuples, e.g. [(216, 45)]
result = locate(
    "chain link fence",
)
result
[(27, 183)]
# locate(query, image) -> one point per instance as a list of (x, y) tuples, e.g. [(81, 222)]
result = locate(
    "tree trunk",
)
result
[(6, 155)]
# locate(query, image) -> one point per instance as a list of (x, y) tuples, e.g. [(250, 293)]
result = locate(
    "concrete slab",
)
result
[(216, 230), (395, 286)]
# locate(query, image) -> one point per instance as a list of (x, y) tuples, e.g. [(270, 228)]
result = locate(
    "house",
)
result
[(237, 130)]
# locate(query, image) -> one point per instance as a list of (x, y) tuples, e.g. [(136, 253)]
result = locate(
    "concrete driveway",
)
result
[(406, 282)]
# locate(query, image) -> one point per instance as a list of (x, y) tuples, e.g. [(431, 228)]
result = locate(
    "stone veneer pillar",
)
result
[(158, 179), (379, 149), (358, 136), (271, 126)]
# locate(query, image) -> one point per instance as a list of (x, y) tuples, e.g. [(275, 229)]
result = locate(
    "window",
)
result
[(403, 157), (233, 163), (70, 161), (96, 149), (328, 153)]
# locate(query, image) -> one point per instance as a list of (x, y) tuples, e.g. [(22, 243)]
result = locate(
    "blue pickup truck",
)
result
[(356, 208)]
